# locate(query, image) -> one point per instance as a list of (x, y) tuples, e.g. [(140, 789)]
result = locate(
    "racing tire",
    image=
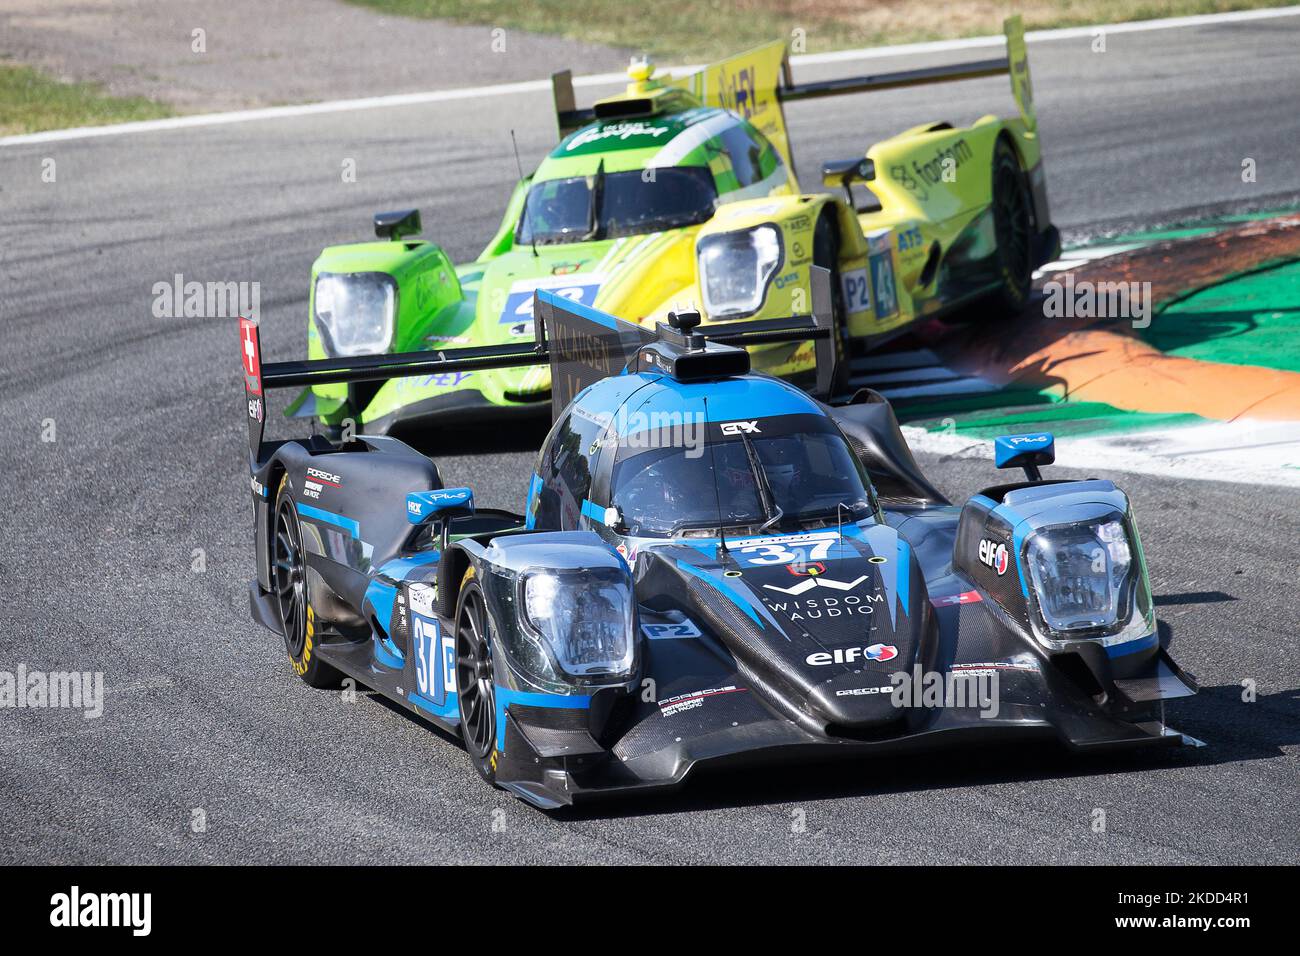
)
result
[(475, 690), (1013, 225), (289, 586), (826, 253)]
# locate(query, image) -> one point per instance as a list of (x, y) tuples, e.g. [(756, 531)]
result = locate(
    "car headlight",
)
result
[(585, 616), (355, 312), (735, 269), (1087, 578)]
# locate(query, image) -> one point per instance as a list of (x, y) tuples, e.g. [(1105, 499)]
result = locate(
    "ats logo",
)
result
[(994, 555)]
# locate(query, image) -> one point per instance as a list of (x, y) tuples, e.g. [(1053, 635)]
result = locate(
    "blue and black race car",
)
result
[(711, 567)]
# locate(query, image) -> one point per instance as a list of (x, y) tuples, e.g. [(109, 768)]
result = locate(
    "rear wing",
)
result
[(757, 83), (582, 345)]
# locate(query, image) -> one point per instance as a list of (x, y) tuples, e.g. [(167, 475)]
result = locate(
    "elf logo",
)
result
[(847, 655), (994, 555)]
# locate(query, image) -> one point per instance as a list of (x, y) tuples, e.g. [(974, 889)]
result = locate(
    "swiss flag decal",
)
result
[(252, 360)]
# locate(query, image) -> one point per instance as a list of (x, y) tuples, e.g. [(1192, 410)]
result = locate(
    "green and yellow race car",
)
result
[(682, 194)]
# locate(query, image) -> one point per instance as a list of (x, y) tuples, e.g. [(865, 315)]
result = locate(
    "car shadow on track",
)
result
[(1232, 729)]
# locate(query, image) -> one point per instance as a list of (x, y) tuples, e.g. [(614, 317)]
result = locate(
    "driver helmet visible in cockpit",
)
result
[(784, 463)]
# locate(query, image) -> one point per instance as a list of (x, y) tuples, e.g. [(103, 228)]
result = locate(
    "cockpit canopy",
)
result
[(621, 177), (778, 473), (613, 205), (651, 467)]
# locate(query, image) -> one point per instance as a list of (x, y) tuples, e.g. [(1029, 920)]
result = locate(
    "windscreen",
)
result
[(610, 205), (791, 472)]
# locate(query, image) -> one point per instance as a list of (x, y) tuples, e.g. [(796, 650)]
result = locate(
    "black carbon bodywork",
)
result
[(899, 624), (744, 693)]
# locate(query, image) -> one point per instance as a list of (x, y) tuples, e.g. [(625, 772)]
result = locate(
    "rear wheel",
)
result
[(475, 690), (1013, 225), (289, 580), (826, 253)]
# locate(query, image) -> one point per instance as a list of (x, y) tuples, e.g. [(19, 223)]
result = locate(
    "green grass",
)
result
[(686, 30), (30, 102)]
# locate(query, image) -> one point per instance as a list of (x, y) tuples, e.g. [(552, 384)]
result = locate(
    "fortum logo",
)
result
[(994, 555)]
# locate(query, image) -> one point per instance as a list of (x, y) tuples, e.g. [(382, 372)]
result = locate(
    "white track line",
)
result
[(1077, 257), (1061, 33), (1244, 452), (603, 79)]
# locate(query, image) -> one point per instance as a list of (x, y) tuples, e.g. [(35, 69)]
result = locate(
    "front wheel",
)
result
[(1013, 223), (289, 579), (475, 690)]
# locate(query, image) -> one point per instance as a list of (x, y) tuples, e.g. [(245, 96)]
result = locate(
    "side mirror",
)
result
[(444, 504), (844, 173), (1025, 451), (397, 225), (841, 172)]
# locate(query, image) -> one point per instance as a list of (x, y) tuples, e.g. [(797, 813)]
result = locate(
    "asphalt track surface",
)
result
[(202, 711)]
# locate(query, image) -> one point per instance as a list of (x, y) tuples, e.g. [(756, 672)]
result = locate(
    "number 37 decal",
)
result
[(784, 551), (435, 660)]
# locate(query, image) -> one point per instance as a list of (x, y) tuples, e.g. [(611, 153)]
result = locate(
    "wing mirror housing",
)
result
[(443, 505), (398, 225), (843, 173), (1025, 451)]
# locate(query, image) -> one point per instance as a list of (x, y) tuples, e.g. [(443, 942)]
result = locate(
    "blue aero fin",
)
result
[(1025, 451)]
